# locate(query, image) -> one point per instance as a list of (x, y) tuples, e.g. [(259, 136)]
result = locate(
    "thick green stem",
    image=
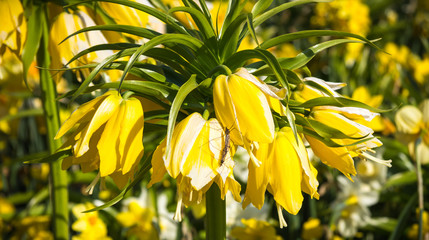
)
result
[(215, 215), (420, 192), (58, 177)]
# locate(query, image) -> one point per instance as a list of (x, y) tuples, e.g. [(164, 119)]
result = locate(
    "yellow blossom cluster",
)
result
[(344, 15)]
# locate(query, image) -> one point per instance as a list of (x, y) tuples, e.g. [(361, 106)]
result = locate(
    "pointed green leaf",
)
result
[(268, 14), (184, 90), (260, 6), (202, 23), (133, 30), (312, 33), (34, 34)]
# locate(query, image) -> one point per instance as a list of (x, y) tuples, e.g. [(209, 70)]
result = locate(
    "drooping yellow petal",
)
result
[(131, 134), (184, 136), (108, 145), (200, 165), (240, 105), (336, 157), (309, 172), (80, 114), (285, 174), (225, 110), (345, 125), (257, 180), (252, 110), (103, 113), (158, 164)]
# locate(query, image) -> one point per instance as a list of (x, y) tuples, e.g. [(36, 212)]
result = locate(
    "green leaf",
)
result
[(233, 12), (186, 40), (154, 89), (401, 179), (304, 57), (169, 20), (34, 34), (133, 30), (312, 33), (229, 40), (403, 218), (98, 68), (140, 175), (239, 58), (128, 49), (184, 90), (338, 102), (22, 114), (202, 23), (54, 157), (251, 28), (270, 13), (260, 6)]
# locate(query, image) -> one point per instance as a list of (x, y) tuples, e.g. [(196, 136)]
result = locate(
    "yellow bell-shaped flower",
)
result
[(285, 168), (241, 106), (108, 137), (200, 154)]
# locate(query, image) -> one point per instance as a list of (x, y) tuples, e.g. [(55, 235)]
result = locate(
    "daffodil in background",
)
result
[(138, 220), (254, 229), (89, 225)]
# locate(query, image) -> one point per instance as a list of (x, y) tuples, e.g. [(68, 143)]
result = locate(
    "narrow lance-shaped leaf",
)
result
[(202, 23), (184, 90), (312, 33), (34, 34), (338, 102), (260, 6), (186, 40), (140, 175), (154, 89), (268, 14), (304, 57), (133, 30)]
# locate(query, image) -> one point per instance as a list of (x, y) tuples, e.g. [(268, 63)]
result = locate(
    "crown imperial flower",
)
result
[(108, 136)]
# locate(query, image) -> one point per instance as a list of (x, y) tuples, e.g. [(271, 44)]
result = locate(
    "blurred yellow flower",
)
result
[(285, 168), (139, 222), (344, 15), (399, 58), (312, 229), (197, 158), (413, 232), (421, 70), (108, 136), (88, 224), (33, 227), (6, 208), (64, 25), (13, 32), (254, 229)]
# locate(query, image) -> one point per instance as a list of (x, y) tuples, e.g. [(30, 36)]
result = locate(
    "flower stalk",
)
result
[(58, 177), (216, 215)]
